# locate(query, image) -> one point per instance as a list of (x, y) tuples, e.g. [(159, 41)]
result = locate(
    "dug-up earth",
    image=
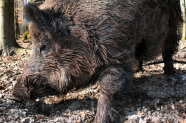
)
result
[(156, 98)]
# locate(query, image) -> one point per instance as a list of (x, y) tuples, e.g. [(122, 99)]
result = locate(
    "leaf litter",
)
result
[(156, 98)]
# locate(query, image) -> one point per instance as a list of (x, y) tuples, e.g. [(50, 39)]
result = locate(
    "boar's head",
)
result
[(52, 66)]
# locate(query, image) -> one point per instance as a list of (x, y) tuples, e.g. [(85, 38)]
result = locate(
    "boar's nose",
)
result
[(20, 91), (27, 87), (23, 87)]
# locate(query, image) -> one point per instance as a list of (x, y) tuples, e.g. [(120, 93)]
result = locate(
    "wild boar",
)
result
[(79, 42)]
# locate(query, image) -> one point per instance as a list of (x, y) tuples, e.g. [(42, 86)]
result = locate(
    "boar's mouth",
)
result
[(32, 87)]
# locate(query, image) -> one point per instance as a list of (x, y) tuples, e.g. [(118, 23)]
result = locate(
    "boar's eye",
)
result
[(43, 48)]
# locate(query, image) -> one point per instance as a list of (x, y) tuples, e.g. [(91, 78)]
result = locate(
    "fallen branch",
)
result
[(159, 62)]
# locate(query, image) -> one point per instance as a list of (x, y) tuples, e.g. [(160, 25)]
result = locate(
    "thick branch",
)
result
[(159, 62)]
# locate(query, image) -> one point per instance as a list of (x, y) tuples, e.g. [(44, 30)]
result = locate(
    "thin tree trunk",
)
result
[(184, 21), (8, 43)]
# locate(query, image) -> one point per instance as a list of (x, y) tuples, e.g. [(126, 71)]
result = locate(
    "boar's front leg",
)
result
[(115, 82)]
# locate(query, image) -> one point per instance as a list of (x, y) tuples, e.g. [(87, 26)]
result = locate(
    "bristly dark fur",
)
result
[(79, 42)]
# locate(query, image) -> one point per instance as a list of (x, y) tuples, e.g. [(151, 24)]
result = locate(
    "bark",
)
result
[(8, 43), (184, 20)]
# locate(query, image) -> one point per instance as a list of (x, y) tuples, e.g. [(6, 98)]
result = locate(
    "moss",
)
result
[(31, 0), (29, 36), (26, 35)]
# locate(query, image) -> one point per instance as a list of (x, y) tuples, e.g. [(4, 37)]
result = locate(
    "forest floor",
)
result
[(156, 98)]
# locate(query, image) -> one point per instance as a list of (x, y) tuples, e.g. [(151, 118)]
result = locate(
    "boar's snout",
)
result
[(23, 88), (32, 87), (20, 91)]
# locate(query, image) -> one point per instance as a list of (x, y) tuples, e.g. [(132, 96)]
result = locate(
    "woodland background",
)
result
[(157, 98)]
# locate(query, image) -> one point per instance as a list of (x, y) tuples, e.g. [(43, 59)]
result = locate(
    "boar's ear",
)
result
[(38, 17)]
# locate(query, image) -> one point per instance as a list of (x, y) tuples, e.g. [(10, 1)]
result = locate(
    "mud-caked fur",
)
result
[(79, 42)]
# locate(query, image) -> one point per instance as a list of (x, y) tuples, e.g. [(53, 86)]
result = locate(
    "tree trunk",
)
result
[(8, 43), (184, 21)]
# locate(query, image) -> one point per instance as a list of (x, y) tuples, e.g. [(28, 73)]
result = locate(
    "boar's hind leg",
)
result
[(115, 82), (169, 49)]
